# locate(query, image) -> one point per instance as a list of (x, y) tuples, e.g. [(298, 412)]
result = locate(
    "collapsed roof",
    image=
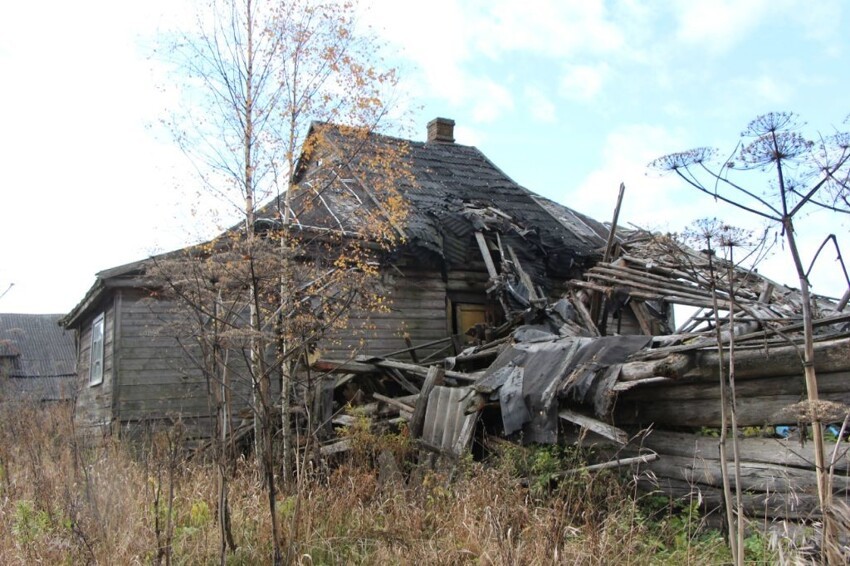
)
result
[(452, 191)]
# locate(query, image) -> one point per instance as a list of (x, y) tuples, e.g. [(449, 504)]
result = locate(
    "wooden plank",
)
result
[(603, 429), (485, 254), (584, 314), (421, 370), (466, 434), (435, 376)]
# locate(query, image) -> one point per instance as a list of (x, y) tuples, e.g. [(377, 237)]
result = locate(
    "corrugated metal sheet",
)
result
[(445, 417)]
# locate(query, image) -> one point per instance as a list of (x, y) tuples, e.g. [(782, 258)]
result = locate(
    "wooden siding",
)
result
[(94, 402), (417, 308), (157, 379)]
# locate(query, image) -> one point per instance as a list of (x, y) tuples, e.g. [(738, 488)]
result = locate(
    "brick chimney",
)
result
[(441, 130)]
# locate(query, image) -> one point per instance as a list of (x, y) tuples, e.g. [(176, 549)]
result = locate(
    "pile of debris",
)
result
[(554, 370)]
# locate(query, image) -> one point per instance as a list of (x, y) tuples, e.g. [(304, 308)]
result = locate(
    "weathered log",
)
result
[(754, 476), (674, 365), (760, 402), (833, 355), (621, 386), (770, 505), (778, 451), (689, 389)]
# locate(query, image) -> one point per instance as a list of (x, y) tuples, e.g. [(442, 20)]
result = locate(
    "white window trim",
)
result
[(96, 378)]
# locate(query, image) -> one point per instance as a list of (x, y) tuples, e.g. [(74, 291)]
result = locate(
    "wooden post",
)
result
[(606, 257)]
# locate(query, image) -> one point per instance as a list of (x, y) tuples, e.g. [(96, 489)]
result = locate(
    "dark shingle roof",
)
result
[(454, 191), (41, 346), (37, 355)]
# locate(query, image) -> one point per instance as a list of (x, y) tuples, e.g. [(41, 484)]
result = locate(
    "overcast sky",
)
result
[(567, 97)]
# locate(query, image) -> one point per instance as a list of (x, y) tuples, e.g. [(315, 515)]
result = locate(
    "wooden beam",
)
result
[(603, 429), (342, 366), (485, 253)]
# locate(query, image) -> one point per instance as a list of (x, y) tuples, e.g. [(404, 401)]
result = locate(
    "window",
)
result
[(96, 367)]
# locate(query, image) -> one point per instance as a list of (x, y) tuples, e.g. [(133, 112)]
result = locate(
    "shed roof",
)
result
[(38, 356), (41, 347)]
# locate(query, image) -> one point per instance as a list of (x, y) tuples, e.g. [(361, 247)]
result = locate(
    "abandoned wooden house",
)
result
[(512, 317), (466, 220), (36, 359)]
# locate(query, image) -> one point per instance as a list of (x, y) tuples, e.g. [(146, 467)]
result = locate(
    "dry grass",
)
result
[(63, 505)]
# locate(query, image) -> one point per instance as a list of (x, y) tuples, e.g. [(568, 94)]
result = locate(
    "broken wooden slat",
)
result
[(420, 370), (523, 276), (603, 429), (485, 253), (403, 381), (618, 463), (412, 346), (344, 366), (584, 314), (464, 438), (343, 379), (434, 377)]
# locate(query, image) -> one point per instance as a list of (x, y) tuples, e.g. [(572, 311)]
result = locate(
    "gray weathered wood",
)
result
[(434, 377), (604, 429)]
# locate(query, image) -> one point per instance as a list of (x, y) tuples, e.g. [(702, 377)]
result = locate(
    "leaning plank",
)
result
[(618, 463), (434, 377), (485, 253), (604, 429), (584, 314), (403, 381)]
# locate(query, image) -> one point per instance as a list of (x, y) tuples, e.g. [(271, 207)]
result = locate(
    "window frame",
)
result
[(96, 350)]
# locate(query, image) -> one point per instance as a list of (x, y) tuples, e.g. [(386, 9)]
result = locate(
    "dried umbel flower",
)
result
[(811, 411), (683, 159)]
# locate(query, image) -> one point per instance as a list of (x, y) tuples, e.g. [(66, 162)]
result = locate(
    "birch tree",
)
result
[(254, 76)]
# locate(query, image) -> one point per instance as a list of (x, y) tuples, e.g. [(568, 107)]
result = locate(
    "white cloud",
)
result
[(651, 201), (718, 25), (491, 102), (583, 82), (540, 106), (555, 28), (766, 89)]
